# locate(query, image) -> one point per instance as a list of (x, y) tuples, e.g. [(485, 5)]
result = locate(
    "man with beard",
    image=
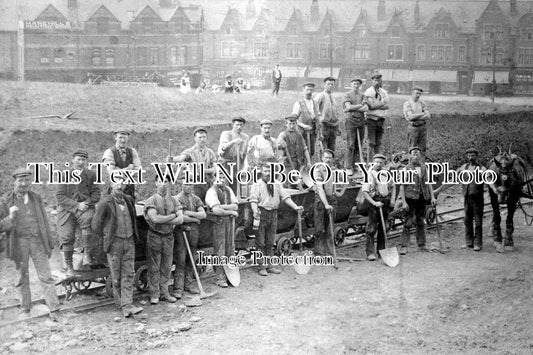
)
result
[(265, 200), (292, 143), (355, 123), (306, 109), (76, 203), (162, 213), (115, 221), (325, 202), (377, 101), (123, 157), (414, 197), (416, 113), (380, 195), (23, 217), (233, 146), (262, 147)]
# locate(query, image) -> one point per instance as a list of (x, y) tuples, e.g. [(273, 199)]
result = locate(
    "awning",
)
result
[(485, 77), (292, 72), (395, 74), (322, 73), (446, 76)]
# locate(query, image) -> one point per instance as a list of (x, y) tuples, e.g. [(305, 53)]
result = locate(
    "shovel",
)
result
[(301, 269), (232, 272), (238, 169), (441, 248), (330, 215), (389, 256), (203, 294)]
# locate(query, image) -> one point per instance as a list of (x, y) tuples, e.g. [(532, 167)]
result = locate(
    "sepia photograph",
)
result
[(266, 177)]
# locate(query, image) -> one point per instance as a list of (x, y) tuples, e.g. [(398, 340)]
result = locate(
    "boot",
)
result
[(67, 254), (179, 279), (87, 257), (190, 284)]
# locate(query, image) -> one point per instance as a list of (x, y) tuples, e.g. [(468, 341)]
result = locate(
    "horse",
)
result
[(511, 184)]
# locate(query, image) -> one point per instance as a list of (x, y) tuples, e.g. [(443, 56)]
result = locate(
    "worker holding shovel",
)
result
[(380, 196)]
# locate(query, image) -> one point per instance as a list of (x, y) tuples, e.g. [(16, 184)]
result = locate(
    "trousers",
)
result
[(121, 259)]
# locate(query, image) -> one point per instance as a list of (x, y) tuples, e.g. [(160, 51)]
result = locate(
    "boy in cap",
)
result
[(416, 114), (306, 109), (354, 109), (76, 203), (122, 156), (377, 101), (23, 217), (262, 147), (329, 120)]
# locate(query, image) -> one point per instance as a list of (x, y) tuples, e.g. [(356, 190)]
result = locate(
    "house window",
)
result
[(442, 30), (180, 25), (324, 51), (525, 56), (492, 31), (59, 55), (395, 52), (361, 52), (292, 30), (96, 56), (294, 50), (142, 55), (154, 56), (44, 55), (228, 30), (360, 32), (173, 59), (260, 50), (229, 49), (148, 25), (441, 54), (487, 55), (526, 34), (395, 31), (182, 55), (109, 57), (462, 54), (420, 53), (102, 25)]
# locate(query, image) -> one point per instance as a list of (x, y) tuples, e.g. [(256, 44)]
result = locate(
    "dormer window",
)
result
[(292, 30), (442, 30), (228, 30), (360, 32)]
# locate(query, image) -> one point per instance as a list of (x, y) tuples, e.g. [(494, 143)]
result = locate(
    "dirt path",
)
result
[(460, 302)]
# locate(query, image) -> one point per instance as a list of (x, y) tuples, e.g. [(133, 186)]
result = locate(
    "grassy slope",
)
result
[(157, 114)]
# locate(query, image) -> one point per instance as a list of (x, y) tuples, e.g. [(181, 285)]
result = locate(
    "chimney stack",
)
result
[(315, 16), (382, 11), (513, 7)]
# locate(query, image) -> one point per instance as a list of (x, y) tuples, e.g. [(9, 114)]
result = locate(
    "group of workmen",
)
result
[(106, 217)]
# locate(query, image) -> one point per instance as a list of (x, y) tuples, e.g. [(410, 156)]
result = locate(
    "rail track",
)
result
[(355, 240)]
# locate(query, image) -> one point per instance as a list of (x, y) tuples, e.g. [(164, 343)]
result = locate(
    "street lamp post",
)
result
[(493, 66)]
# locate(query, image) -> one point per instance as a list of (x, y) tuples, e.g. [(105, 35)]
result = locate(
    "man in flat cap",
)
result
[(306, 109), (292, 144), (23, 217), (326, 196), (123, 157), (232, 147), (199, 153), (380, 196), (276, 79), (377, 102), (75, 208), (416, 114), (414, 197), (262, 147), (328, 119), (354, 109)]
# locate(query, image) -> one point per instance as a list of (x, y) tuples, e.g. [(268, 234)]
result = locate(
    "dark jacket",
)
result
[(104, 222), (6, 225), (70, 195)]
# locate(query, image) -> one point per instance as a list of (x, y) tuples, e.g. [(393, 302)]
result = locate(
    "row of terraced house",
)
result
[(445, 46)]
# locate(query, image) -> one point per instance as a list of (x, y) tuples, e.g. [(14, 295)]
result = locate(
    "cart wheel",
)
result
[(430, 215), (109, 286), (81, 285), (340, 235), (141, 278), (284, 246)]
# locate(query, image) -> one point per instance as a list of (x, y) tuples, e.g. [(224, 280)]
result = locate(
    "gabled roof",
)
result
[(102, 11), (50, 11), (147, 11)]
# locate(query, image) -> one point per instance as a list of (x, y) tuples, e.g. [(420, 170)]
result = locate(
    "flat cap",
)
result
[(21, 172), (329, 78), (228, 76), (81, 153), (291, 118), (121, 130), (329, 151), (472, 150), (238, 119), (265, 121), (357, 79), (309, 84), (380, 156), (376, 75), (417, 88), (199, 129), (413, 148)]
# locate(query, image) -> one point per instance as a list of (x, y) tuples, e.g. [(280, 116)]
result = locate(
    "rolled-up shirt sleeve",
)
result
[(211, 199)]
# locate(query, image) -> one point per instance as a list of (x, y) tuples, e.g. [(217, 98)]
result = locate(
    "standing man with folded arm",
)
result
[(416, 114), (354, 109), (232, 147), (329, 120), (377, 101), (307, 112)]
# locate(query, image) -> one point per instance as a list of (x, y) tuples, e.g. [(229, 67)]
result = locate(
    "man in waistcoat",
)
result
[(306, 109), (76, 204), (377, 101), (122, 156), (232, 147), (328, 119), (23, 217), (414, 197), (292, 144), (354, 109)]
